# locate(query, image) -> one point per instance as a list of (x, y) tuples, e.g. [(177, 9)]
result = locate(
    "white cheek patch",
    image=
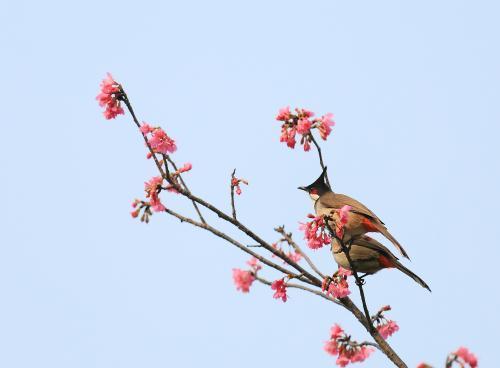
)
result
[(314, 197)]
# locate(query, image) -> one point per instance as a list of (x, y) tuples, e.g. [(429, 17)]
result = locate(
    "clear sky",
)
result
[(414, 87)]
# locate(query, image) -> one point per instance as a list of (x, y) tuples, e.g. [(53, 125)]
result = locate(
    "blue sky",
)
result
[(414, 87)]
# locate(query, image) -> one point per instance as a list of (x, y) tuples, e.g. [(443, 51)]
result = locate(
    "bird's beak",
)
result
[(303, 188)]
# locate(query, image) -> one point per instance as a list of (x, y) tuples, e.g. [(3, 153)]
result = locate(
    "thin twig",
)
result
[(220, 234), (187, 189), (320, 158), (136, 121), (232, 194), (294, 245), (359, 281), (298, 286)]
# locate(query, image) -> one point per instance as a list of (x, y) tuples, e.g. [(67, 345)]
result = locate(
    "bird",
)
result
[(368, 256), (360, 219)]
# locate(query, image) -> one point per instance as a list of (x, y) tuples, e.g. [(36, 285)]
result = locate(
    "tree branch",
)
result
[(288, 238), (232, 194), (320, 158)]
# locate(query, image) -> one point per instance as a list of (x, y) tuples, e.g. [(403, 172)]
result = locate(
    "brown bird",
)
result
[(360, 219), (369, 256)]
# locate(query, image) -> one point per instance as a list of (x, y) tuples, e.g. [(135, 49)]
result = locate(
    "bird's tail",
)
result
[(393, 240), (417, 279)]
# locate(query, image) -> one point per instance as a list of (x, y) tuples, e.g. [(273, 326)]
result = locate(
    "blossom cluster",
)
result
[(235, 183), (243, 279), (315, 232), (385, 327), (337, 286), (302, 122), (346, 350), (292, 254), (279, 286), (159, 141), (463, 357), (109, 97)]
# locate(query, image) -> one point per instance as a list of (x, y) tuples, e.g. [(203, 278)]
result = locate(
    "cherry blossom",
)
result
[(109, 97), (152, 189), (235, 183), (301, 122), (466, 356), (338, 286), (346, 350), (315, 232), (243, 279), (254, 264), (280, 289), (387, 329)]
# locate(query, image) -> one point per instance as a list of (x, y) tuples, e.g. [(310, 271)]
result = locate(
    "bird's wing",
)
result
[(367, 242), (337, 201)]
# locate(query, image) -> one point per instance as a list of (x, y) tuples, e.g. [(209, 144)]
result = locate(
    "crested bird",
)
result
[(368, 256), (360, 219)]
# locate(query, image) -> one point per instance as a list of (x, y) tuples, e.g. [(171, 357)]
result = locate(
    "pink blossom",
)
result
[(280, 289), (291, 138), (342, 360), (331, 347), (151, 188), (254, 264), (161, 142), (295, 256), (303, 113), (304, 126), (343, 215), (135, 213), (235, 183), (156, 204), (146, 128), (423, 365), (361, 354), (283, 114), (467, 356), (186, 167), (325, 124), (387, 329), (243, 279), (336, 331), (108, 97), (348, 351), (344, 272), (339, 289), (152, 185), (315, 232)]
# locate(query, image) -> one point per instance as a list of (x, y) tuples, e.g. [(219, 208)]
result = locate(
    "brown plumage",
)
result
[(369, 256), (361, 220)]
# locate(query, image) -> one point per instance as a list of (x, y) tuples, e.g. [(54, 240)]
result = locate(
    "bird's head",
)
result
[(318, 188)]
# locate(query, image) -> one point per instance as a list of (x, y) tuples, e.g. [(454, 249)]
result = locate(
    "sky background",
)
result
[(414, 87)]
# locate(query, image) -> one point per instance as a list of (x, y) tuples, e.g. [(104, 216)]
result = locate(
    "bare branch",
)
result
[(232, 194), (226, 237), (294, 245), (320, 158)]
